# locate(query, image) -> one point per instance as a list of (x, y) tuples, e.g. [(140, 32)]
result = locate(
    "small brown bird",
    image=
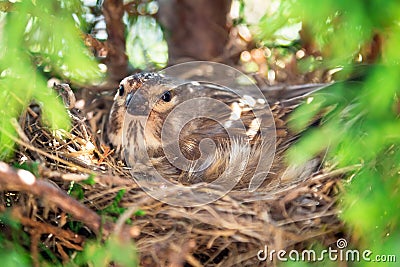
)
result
[(193, 132)]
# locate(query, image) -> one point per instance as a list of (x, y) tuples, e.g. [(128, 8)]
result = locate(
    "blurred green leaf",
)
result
[(114, 207), (76, 191), (37, 34), (90, 180), (145, 44), (32, 167), (13, 253), (113, 250), (140, 213), (358, 121)]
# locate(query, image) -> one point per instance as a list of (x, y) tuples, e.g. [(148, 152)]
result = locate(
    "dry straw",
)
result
[(291, 211)]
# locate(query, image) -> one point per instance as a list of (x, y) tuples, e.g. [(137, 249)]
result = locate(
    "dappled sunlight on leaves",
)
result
[(145, 44)]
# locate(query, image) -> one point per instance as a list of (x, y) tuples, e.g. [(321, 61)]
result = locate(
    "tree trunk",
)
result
[(195, 30), (116, 60)]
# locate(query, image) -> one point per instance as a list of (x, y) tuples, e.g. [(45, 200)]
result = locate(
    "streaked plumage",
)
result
[(157, 97)]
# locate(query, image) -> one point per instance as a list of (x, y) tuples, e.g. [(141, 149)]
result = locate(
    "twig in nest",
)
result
[(134, 231), (66, 93), (100, 49), (58, 159), (99, 179), (19, 130), (22, 180), (65, 238)]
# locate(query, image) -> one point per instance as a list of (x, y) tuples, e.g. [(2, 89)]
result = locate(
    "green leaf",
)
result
[(145, 44), (90, 180), (37, 34)]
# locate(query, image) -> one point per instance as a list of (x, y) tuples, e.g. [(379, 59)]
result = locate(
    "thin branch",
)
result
[(22, 180)]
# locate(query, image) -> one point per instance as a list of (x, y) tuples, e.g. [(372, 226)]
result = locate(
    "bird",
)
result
[(191, 132)]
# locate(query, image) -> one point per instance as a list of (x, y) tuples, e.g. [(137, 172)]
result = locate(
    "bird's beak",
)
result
[(137, 104)]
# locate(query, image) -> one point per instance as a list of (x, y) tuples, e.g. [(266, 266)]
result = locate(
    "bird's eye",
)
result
[(121, 90), (167, 96)]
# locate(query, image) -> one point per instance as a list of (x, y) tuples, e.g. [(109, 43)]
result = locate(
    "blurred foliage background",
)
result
[(93, 44), (39, 39), (361, 118)]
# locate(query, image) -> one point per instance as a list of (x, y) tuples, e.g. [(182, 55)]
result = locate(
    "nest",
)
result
[(283, 215)]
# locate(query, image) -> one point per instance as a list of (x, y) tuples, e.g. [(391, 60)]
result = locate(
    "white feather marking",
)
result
[(228, 124), (248, 100), (236, 111), (195, 83), (253, 129)]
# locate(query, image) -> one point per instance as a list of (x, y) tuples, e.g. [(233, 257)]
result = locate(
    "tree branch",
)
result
[(116, 60), (22, 180)]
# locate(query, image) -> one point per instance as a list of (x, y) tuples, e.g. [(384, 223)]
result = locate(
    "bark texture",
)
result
[(195, 30), (117, 60)]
